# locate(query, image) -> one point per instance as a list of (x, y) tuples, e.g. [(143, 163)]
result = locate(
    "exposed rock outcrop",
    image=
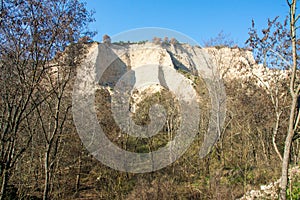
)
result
[(232, 63), (271, 190)]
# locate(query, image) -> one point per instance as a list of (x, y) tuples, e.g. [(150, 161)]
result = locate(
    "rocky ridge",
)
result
[(232, 63)]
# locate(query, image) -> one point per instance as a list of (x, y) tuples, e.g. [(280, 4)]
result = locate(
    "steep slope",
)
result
[(234, 65)]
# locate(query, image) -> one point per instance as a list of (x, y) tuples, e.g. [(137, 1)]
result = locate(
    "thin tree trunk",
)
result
[(294, 94), (4, 184), (78, 174), (286, 154), (47, 176), (275, 131)]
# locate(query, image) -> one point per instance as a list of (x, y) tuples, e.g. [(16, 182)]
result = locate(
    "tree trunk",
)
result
[(287, 150), (47, 176), (78, 174), (4, 184), (294, 90), (275, 131)]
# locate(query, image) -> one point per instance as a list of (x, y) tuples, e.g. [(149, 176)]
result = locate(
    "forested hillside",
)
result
[(45, 52)]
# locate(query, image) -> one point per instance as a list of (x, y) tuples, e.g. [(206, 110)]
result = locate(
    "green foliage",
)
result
[(122, 43), (293, 192)]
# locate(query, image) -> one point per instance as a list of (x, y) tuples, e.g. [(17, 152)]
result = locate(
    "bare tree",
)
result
[(221, 40), (52, 115), (272, 75), (31, 33), (173, 41), (282, 41), (156, 40), (106, 39), (294, 92)]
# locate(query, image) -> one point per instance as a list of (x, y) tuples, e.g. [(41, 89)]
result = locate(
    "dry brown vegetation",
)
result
[(42, 156)]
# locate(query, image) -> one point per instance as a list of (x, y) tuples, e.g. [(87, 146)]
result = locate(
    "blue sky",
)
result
[(198, 19)]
